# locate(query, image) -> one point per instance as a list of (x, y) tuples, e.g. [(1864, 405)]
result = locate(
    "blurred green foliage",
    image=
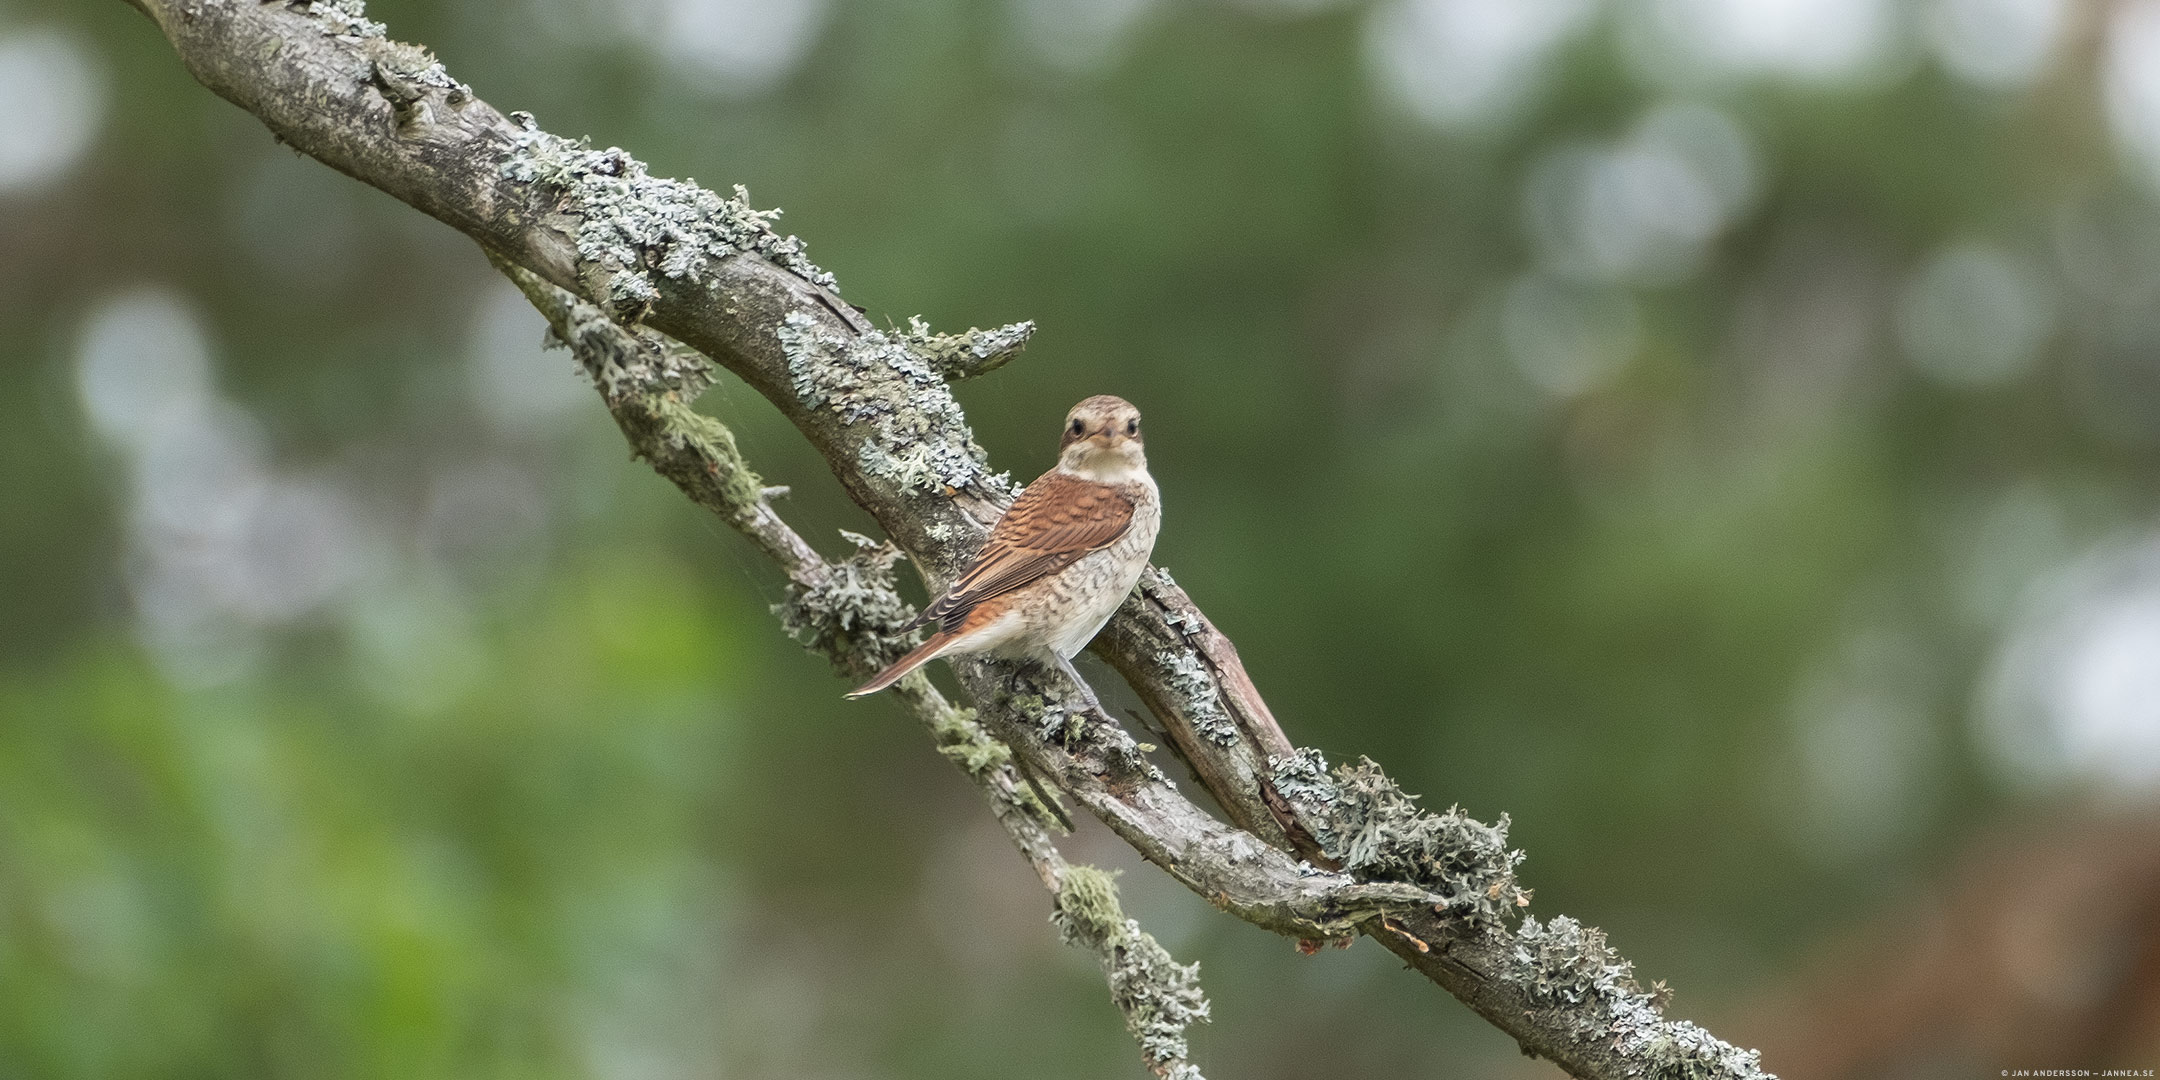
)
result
[(539, 790)]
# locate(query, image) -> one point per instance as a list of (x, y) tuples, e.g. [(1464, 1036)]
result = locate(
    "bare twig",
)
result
[(1437, 890)]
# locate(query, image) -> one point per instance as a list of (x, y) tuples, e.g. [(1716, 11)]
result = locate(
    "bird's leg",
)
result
[(1043, 794), (1086, 691), (1015, 680)]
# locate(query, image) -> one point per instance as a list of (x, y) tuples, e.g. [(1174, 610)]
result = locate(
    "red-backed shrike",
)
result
[(1061, 560)]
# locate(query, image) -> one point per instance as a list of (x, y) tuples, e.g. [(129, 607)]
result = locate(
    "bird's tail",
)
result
[(917, 657)]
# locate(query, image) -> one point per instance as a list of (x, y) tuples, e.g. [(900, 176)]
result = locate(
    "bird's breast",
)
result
[(1089, 591)]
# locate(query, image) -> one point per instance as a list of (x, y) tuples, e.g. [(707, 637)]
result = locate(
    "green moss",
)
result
[(966, 743), (1087, 905), (713, 444), (1159, 997)]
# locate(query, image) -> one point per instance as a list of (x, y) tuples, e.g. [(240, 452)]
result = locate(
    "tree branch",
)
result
[(1437, 890), (846, 612)]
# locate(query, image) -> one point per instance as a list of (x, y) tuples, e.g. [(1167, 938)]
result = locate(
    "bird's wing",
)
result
[(1058, 519)]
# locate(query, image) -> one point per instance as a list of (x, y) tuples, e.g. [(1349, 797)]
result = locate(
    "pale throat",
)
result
[(1103, 465)]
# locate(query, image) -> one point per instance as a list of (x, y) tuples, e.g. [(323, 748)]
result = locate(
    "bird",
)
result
[(1060, 560)]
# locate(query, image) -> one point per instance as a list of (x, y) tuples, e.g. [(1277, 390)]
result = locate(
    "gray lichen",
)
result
[(918, 436), (649, 382), (408, 74), (1181, 619), (633, 225), (1156, 582), (1185, 672), (854, 612), (1159, 997), (1057, 724), (1067, 724), (1569, 968), (1378, 833), (346, 18), (1569, 963), (620, 361), (1682, 1050), (963, 356)]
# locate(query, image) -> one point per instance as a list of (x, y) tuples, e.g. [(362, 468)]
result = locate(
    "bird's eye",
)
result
[(1078, 428), (1132, 427)]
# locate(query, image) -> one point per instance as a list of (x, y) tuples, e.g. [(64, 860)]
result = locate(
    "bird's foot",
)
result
[(1087, 693)]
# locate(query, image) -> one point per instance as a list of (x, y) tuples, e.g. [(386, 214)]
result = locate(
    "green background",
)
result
[(1756, 522)]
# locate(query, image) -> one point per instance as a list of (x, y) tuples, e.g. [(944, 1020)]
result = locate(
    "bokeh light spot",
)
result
[(1643, 209), (52, 100), (1568, 338), (518, 385), (2074, 691), (1975, 314), (1467, 62), (1994, 43), (729, 46)]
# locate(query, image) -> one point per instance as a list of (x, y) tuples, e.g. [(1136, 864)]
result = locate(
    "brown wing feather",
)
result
[(1058, 519)]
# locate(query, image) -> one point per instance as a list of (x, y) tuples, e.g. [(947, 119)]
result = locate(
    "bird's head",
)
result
[(1101, 441)]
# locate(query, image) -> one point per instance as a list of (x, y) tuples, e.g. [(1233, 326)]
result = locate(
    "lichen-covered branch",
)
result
[(846, 610), (1159, 996), (964, 356), (1308, 852)]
